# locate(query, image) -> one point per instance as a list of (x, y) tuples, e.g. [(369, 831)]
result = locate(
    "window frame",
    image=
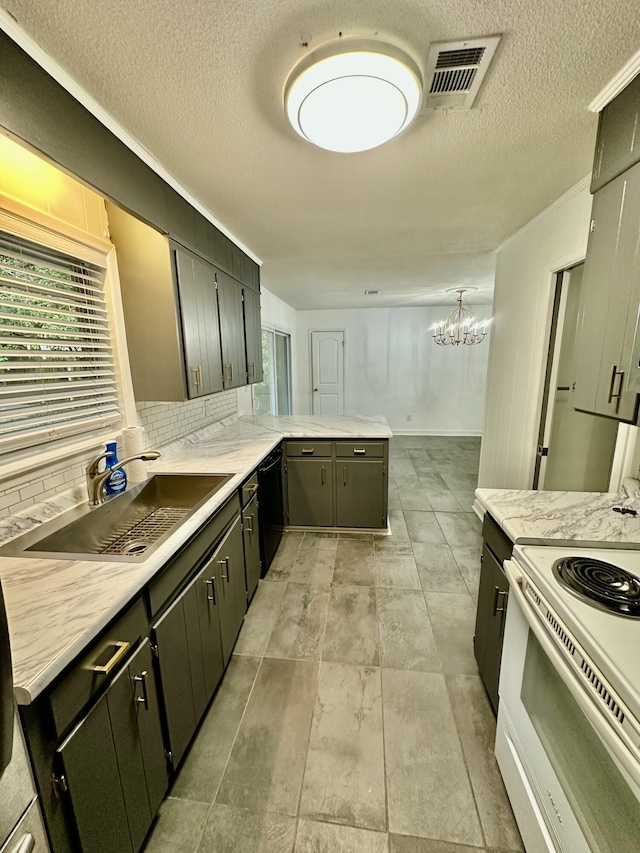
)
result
[(23, 222)]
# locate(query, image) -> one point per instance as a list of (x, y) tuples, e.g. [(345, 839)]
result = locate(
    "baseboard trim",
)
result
[(443, 432)]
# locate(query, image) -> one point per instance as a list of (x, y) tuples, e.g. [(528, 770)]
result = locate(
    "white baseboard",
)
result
[(436, 432)]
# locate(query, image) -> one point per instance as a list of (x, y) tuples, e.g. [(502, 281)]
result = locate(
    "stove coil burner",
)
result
[(600, 584)]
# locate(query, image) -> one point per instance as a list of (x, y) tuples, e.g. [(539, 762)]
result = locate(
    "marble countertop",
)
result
[(56, 607), (310, 426), (584, 519)]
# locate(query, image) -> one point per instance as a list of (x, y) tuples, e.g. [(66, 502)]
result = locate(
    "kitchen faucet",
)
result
[(96, 478)]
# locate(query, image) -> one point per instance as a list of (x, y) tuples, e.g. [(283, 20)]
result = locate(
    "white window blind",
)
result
[(57, 374)]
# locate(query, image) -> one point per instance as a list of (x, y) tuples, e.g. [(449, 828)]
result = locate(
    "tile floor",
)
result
[(351, 718)]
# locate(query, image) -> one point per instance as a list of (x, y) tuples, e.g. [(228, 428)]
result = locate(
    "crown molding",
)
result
[(616, 84), (11, 27)]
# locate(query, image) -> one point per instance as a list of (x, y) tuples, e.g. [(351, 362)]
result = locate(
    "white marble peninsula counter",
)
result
[(584, 519), (56, 607)]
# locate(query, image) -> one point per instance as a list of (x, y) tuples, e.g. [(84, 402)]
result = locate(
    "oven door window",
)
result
[(600, 797)]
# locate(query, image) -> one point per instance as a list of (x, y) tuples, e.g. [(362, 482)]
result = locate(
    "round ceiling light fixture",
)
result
[(353, 95)]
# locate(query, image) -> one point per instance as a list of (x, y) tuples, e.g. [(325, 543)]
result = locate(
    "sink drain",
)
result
[(138, 546)]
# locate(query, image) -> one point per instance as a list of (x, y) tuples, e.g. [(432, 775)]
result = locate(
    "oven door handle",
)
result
[(618, 742)]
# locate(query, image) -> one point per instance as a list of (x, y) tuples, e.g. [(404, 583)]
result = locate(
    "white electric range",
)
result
[(568, 738)]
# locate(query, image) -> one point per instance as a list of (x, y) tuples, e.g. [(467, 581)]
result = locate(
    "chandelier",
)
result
[(460, 327)]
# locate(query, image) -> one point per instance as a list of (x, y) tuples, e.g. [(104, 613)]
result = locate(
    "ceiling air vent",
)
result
[(455, 71)]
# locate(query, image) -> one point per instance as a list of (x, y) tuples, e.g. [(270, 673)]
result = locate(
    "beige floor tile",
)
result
[(354, 562), (437, 568), (178, 827), (453, 619), (260, 619)]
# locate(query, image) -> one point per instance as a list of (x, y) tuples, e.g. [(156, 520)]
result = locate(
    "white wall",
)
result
[(526, 264), (394, 368)]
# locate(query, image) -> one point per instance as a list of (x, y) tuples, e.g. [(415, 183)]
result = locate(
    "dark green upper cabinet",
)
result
[(234, 362), (253, 335), (618, 144), (609, 302), (200, 327)]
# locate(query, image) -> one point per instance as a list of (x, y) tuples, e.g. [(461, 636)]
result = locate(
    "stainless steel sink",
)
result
[(127, 528)]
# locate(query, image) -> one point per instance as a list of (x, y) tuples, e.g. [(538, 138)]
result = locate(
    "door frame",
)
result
[(626, 457), (344, 365)]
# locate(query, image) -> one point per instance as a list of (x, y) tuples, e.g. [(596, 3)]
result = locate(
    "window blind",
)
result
[(57, 375)]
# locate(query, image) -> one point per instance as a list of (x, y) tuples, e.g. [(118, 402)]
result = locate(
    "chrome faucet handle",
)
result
[(93, 468)]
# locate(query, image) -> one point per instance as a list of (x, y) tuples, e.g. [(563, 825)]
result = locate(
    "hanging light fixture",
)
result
[(460, 327), (353, 95)]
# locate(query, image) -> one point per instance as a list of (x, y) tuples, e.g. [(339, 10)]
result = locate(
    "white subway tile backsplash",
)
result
[(164, 423)]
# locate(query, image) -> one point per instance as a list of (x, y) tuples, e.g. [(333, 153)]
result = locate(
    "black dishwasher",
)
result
[(271, 507)]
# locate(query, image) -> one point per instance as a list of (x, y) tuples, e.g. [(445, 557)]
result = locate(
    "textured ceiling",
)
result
[(199, 84)]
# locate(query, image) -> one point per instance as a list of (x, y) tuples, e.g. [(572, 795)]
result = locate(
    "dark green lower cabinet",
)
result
[(251, 538), (310, 492), (489, 631), (233, 596), (360, 493), (114, 762), (195, 638)]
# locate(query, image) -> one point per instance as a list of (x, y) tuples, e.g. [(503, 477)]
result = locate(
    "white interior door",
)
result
[(327, 373)]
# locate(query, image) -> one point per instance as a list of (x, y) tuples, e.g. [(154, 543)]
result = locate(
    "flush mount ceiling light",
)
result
[(460, 327), (353, 95)]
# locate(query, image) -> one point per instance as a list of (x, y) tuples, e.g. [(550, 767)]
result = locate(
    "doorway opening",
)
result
[(327, 372), (575, 450)]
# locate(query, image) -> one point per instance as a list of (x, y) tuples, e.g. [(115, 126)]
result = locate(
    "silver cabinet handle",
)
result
[(211, 586), (197, 378), (616, 395), (344, 476), (25, 845), (252, 368), (307, 450), (142, 680), (249, 520), (359, 451), (499, 594), (225, 563), (323, 475), (253, 488)]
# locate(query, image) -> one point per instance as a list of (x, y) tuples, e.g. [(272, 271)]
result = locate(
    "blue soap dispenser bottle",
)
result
[(117, 482)]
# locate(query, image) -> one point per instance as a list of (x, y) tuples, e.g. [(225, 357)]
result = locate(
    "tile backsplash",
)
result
[(163, 422)]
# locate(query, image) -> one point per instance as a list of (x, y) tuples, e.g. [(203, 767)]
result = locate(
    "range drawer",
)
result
[(249, 488), (360, 449), (308, 448), (102, 660), (182, 565)]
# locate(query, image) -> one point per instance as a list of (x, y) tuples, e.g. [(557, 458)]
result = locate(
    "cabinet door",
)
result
[(170, 636), (233, 598), (360, 491), (251, 538), (489, 631), (253, 335), (147, 707), (310, 492), (234, 366), (618, 143), (200, 328), (207, 591), (90, 765), (609, 302)]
